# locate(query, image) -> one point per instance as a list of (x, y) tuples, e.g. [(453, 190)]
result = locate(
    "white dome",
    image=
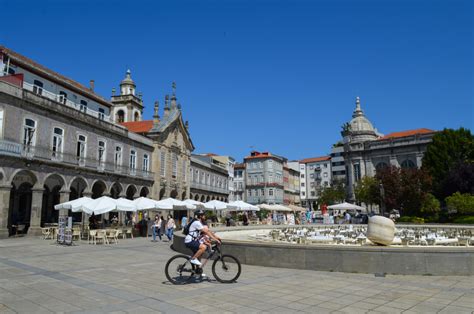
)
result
[(361, 129)]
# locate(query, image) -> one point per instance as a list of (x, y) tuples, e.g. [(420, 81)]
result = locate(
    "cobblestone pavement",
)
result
[(37, 276)]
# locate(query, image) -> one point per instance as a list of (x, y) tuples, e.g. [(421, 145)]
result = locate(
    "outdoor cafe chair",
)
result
[(101, 236), (129, 232), (46, 232), (112, 234), (92, 236), (76, 233)]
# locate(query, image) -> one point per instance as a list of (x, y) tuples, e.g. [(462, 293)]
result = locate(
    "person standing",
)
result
[(163, 225), (184, 221), (156, 228), (170, 225)]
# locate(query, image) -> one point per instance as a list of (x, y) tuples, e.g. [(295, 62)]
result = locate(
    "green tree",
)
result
[(430, 206), (463, 204), (367, 191), (448, 149), (333, 194)]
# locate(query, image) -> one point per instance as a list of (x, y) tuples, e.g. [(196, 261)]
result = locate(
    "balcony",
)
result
[(207, 187), (8, 148), (63, 100)]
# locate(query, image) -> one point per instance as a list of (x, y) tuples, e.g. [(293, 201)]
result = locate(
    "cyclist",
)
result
[(196, 229)]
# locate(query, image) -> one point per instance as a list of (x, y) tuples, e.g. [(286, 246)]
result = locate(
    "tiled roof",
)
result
[(52, 75), (407, 133), (139, 126), (315, 159)]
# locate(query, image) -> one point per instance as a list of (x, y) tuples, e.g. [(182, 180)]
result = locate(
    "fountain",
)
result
[(414, 250)]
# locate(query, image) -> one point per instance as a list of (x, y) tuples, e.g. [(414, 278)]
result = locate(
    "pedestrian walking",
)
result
[(170, 226)]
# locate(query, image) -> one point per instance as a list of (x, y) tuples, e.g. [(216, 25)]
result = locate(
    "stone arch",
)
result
[(116, 190), (183, 196), (408, 164), (162, 193), (196, 197), (52, 184), (77, 186), (208, 198), (144, 191), (98, 188), (136, 116), (174, 194), (131, 191), (203, 198), (21, 196), (120, 116)]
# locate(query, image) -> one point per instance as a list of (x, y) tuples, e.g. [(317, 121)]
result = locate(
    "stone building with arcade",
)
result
[(59, 141)]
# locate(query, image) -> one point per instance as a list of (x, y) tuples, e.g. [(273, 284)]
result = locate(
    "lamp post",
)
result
[(382, 196)]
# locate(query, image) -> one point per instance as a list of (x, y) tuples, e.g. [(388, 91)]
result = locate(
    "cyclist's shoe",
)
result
[(195, 261)]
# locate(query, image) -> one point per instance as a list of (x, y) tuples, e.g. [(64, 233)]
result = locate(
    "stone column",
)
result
[(63, 198), (35, 216), (4, 210)]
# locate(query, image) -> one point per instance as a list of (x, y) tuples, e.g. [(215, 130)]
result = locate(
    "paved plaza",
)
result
[(38, 276)]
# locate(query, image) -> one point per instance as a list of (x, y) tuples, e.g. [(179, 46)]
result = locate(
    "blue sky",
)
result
[(278, 76)]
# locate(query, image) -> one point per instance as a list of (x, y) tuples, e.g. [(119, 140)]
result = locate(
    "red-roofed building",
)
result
[(141, 127), (366, 150)]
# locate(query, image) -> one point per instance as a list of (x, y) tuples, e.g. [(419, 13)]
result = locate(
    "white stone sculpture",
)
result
[(381, 230)]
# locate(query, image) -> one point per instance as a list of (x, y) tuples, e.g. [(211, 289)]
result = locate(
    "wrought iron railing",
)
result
[(42, 153)]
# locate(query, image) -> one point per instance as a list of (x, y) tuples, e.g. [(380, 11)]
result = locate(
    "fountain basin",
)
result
[(403, 260)]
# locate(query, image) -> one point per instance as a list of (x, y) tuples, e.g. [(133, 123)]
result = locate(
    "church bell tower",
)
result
[(127, 106)]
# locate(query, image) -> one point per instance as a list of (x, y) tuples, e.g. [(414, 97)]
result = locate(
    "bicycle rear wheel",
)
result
[(179, 270), (226, 269)]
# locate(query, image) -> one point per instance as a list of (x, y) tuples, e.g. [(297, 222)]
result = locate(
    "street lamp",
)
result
[(382, 196)]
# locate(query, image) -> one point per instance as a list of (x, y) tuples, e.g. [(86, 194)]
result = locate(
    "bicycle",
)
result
[(225, 268)]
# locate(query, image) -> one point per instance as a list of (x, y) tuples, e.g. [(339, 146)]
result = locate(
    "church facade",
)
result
[(366, 150)]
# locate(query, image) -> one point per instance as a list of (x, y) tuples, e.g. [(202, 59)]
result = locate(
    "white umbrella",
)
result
[(143, 203), (171, 203), (124, 203), (74, 205), (241, 205), (104, 205), (217, 205), (194, 203), (275, 207), (346, 206), (297, 208)]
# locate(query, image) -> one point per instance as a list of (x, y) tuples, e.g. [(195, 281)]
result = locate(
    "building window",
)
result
[(250, 192), (357, 174), (162, 163), (184, 169), (174, 161), (62, 97), (1, 123), (302, 184), (101, 114), (38, 87), (58, 136), (407, 164), (208, 178), (133, 160), (118, 157), (196, 175), (270, 192), (146, 163), (81, 149), (101, 152), (311, 175), (325, 165), (201, 177), (136, 117), (83, 106), (313, 193), (29, 129), (303, 193)]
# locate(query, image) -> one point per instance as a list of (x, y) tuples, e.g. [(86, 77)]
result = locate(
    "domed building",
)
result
[(366, 150)]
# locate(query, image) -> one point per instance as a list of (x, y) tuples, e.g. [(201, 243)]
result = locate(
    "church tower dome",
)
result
[(127, 106), (360, 128), (127, 86)]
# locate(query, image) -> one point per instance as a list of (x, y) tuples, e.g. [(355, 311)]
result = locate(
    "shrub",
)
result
[(464, 220), (411, 219), (463, 204)]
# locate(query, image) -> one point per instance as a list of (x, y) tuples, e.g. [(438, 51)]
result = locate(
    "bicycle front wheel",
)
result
[(226, 269), (179, 270)]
